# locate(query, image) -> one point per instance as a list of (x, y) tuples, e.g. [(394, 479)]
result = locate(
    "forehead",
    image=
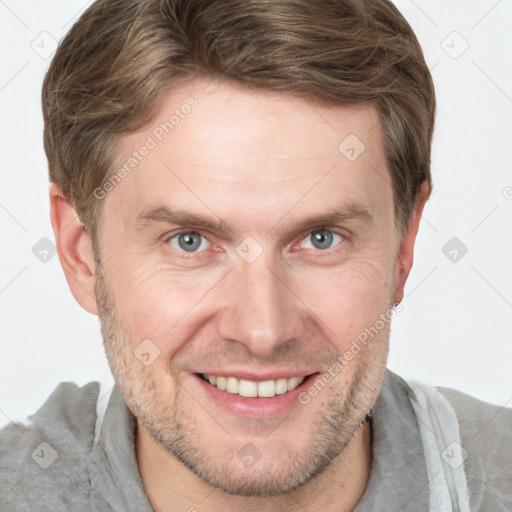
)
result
[(216, 146)]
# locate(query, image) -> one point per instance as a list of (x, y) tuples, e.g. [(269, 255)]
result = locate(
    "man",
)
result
[(236, 191)]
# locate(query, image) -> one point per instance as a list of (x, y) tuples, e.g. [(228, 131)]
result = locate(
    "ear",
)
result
[(74, 247), (404, 260)]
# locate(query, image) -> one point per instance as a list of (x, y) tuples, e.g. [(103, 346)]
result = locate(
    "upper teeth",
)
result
[(248, 388)]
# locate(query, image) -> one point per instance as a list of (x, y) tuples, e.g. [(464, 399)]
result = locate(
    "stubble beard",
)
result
[(167, 421)]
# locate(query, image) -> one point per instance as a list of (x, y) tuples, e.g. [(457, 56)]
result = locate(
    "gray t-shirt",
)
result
[(58, 462)]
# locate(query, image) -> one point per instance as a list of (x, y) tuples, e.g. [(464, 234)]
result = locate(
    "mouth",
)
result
[(255, 399), (253, 389)]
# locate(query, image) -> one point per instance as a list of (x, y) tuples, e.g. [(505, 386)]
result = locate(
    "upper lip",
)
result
[(260, 376)]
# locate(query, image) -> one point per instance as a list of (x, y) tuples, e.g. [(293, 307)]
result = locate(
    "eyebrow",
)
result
[(163, 214)]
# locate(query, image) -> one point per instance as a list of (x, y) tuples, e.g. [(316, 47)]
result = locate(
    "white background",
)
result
[(456, 324)]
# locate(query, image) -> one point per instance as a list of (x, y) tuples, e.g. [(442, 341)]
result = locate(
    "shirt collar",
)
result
[(113, 470), (398, 478)]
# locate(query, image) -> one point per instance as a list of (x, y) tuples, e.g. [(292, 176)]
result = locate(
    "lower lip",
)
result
[(256, 407)]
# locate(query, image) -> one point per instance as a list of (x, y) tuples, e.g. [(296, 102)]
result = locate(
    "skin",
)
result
[(261, 162)]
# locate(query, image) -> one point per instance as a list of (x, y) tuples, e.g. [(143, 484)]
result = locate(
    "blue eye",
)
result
[(322, 239), (189, 241)]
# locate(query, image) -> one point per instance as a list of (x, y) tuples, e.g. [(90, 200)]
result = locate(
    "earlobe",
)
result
[(405, 257), (74, 247)]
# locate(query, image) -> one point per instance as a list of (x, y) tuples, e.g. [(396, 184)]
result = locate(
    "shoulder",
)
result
[(486, 437), (478, 416), (39, 459)]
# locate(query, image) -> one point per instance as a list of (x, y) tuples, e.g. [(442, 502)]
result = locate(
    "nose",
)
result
[(259, 309)]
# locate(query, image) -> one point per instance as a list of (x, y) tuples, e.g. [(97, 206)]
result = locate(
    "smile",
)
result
[(252, 389)]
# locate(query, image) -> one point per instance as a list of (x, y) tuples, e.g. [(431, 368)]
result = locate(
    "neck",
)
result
[(172, 487)]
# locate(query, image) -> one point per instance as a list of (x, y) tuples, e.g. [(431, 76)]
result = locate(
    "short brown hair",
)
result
[(110, 70)]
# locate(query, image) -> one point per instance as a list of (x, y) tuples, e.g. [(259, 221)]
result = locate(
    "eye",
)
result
[(322, 239), (189, 241)]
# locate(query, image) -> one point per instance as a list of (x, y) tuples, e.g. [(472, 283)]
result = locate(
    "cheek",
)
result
[(348, 299), (161, 305), (167, 306)]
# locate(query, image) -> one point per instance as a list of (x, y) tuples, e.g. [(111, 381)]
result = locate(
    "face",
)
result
[(247, 244)]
